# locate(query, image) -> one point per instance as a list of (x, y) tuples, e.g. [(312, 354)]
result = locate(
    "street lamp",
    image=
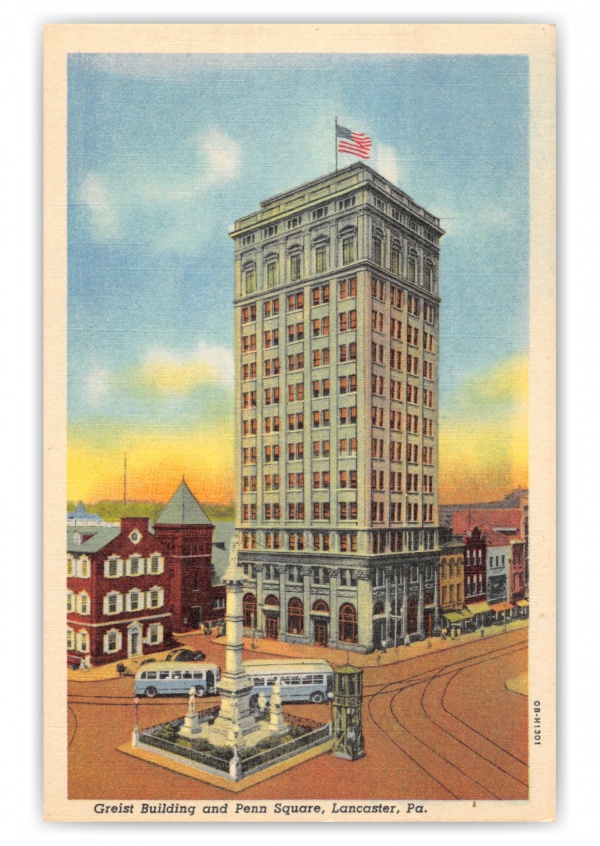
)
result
[(136, 732), (383, 645)]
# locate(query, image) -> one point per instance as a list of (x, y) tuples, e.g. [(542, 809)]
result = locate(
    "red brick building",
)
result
[(117, 592), (186, 533), (476, 576), (129, 587), (517, 580)]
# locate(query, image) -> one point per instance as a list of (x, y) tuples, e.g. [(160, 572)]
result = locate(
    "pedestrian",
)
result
[(482, 633), (82, 664)]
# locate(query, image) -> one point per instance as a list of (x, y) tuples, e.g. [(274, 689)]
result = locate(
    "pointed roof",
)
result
[(81, 513), (183, 509)]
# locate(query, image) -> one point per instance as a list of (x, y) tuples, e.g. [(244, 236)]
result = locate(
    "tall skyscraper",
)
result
[(336, 357)]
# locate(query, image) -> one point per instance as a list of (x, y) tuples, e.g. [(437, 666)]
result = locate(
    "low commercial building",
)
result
[(498, 551), (476, 577), (451, 581)]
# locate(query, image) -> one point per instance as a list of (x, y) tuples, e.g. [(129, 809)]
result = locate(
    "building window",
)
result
[(84, 603), (295, 617), (377, 250), (70, 639), (83, 641), (153, 603), (429, 278), (70, 601), (271, 307), (134, 600), (112, 603), (295, 267), (348, 250), (250, 281), (155, 633), (249, 313), (84, 568), (113, 568), (348, 625), (271, 274), (249, 611), (112, 641), (295, 302), (320, 327), (412, 270), (347, 288), (395, 261), (321, 259)]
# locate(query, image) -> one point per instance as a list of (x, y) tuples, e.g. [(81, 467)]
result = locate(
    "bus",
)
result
[(299, 680), (176, 678)]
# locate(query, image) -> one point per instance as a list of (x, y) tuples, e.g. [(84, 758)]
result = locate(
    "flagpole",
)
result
[(336, 144)]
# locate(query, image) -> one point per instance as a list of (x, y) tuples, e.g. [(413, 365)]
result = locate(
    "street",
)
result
[(437, 726)]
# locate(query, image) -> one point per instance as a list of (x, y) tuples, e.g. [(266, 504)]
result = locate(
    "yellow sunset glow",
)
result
[(484, 445), (156, 463)]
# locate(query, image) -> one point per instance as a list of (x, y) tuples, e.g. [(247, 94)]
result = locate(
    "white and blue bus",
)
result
[(299, 681), (175, 678)]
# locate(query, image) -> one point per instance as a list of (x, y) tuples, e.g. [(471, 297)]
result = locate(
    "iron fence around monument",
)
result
[(285, 750), (150, 737)]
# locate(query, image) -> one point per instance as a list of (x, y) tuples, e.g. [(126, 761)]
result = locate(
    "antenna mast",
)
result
[(124, 484)]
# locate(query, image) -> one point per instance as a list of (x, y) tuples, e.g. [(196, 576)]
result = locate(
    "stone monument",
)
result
[(190, 727), (235, 719)]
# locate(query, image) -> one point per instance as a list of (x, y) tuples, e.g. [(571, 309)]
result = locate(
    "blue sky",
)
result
[(165, 152)]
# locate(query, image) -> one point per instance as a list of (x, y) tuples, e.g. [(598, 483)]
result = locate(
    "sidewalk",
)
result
[(109, 671), (335, 657), (338, 657)]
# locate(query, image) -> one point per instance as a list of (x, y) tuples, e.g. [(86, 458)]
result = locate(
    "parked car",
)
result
[(186, 655), (133, 666)]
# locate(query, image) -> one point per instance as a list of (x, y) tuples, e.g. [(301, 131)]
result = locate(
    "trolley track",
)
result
[(416, 680), (471, 728), (500, 767)]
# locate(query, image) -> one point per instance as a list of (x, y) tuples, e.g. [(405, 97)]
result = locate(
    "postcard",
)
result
[(299, 423)]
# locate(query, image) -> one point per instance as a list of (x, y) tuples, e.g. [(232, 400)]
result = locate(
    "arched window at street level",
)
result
[(295, 617), (348, 624), (249, 611)]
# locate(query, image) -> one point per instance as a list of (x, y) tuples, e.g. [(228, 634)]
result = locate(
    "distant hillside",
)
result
[(111, 510)]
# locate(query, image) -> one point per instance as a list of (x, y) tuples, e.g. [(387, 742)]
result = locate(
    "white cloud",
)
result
[(104, 219), (164, 209), (205, 364), (387, 162), (97, 386), (222, 155)]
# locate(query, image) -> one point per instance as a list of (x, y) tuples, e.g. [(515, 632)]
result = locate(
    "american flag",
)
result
[(355, 143)]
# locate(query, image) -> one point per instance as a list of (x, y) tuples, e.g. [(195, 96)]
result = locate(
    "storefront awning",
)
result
[(502, 606), (453, 617), (479, 608), (522, 603)]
